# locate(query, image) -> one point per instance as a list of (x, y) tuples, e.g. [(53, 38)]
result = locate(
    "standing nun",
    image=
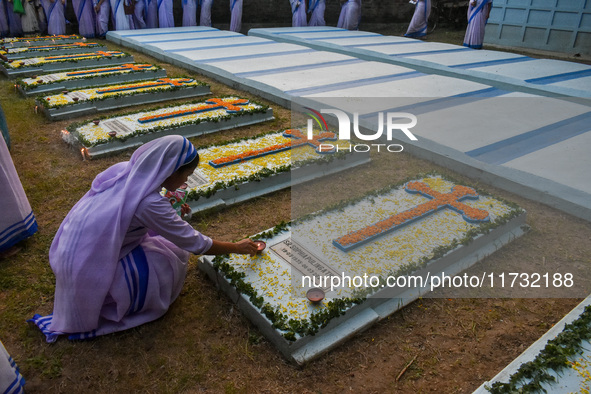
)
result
[(4, 29), (189, 12), (316, 10), (11, 381), (152, 14), (14, 20), (86, 16), (29, 20), (350, 15), (103, 11), (140, 12), (121, 21), (17, 221), (298, 13), (165, 15), (205, 16), (56, 20), (236, 15), (418, 23), (478, 13)]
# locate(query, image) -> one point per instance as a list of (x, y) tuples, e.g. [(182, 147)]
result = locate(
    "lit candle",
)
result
[(82, 153), (36, 108)]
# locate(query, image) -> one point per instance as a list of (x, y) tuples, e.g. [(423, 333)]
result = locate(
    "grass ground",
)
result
[(204, 344)]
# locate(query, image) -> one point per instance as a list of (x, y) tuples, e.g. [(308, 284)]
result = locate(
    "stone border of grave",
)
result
[(534, 369), (296, 175), (69, 65), (39, 40), (120, 101), (187, 130), (359, 315), (52, 52), (85, 82)]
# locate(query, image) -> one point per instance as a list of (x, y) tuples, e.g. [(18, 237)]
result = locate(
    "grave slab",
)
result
[(447, 59), (271, 287), (15, 42), (40, 65), (112, 134), (264, 75), (78, 102), (571, 153), (77, 79), (50, 50), (261, 165), (573, 378)]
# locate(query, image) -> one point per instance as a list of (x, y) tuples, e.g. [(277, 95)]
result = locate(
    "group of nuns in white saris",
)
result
[(94, 15), (348, 19), (478, 13)]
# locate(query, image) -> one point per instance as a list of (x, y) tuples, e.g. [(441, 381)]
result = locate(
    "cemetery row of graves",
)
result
[(324, 276)]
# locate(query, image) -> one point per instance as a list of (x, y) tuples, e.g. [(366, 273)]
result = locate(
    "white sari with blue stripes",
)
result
[(11, 381), (17, 221), (120, 256)]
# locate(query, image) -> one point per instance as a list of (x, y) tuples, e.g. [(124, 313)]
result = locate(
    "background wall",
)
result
[(552, 25)]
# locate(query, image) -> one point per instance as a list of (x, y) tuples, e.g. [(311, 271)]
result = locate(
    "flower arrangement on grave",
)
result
[(558, 355), (38, 61), (40, 80), (266, 279), (251, 159), (112, 91), (8, 40), (47, 48), (123, 127)]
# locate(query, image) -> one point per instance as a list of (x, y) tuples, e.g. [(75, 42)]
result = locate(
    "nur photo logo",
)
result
[(387, 124)]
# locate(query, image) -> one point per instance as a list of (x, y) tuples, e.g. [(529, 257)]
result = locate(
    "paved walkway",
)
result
[(498, 126)]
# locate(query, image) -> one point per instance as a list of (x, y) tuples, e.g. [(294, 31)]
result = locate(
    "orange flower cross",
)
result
[(299, 140), (123, 67), (438, 201), (231, 106), (150, 84)]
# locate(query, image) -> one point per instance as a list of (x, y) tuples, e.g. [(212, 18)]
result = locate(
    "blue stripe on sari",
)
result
[(477, 10), (82, 336), (80, 10), (43, 322), (135, 266), (48, 14), (16, 386), (18, 231)]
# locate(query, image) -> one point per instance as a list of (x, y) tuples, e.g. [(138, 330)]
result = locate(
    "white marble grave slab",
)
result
[(310, 60), (276, 274), (342, 75), (550, 162), (262, 72), (427, 86), (245, 52), (450, 59), (212, 43)]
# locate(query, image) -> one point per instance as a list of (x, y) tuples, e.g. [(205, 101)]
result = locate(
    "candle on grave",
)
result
[(261, 245), (82, 153), (315, 295)]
